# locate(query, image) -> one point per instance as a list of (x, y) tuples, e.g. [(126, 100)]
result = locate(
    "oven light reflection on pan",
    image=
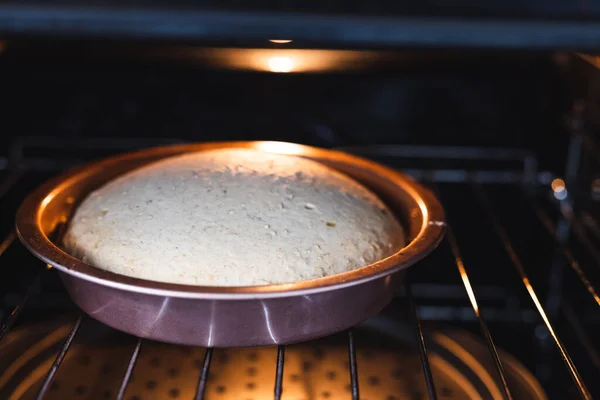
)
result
[(280, 147)]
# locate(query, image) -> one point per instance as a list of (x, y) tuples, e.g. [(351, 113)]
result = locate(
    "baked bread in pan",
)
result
[(232, 217)]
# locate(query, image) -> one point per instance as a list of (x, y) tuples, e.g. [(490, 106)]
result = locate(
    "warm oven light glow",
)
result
[(558, 185), (280, 41), (280, 64), (559, 188), (284, 60)]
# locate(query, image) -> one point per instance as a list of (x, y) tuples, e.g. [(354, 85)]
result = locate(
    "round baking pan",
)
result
[(230, 316)]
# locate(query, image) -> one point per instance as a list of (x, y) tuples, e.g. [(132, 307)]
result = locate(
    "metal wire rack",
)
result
[(526, 176)]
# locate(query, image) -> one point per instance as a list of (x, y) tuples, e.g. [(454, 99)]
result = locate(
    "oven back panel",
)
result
[(488, 130), (431, 24)]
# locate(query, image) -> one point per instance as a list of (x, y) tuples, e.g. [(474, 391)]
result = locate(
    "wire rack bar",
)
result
[(580, 231), (582, 335), (451, 238), (516, 261), (8, 240), (11, 180), (353, 366), (59, 359), (421, 341), (129, 370), (279, 372), (437, 152), (482, 325), (591, 223), (204, 374), (32, 287), (551, 228), (9, 322)]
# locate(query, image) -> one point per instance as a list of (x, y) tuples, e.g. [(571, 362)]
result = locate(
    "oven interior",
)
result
[(506, 307)]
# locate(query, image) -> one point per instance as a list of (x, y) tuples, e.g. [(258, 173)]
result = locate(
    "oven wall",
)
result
[(91, 89)]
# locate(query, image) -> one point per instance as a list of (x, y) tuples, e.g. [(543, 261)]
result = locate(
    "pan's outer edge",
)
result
[(430, 233)]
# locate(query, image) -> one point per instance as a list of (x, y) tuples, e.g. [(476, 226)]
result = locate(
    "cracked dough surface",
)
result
[(232, 217)]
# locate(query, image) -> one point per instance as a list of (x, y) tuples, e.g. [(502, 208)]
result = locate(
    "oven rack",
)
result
[(18, 165)]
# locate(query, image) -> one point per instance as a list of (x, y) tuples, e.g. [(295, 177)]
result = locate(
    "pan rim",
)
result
[(30, 232)]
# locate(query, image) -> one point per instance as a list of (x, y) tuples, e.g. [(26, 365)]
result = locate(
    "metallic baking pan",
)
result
[(230, 316)]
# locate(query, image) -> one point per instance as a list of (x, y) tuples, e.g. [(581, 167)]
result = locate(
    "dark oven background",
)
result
[(512, 121)]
